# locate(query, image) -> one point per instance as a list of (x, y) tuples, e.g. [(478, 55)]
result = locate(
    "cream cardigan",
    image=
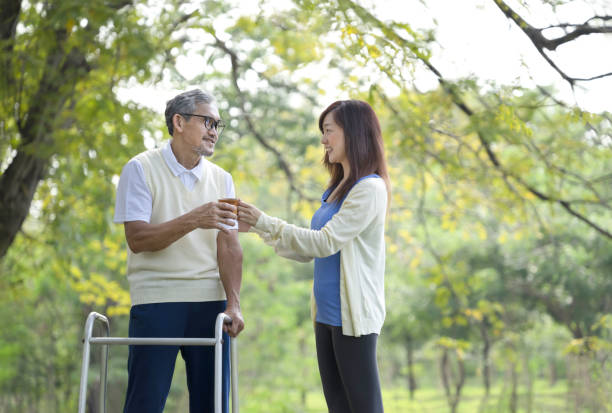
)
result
[(357, 231)]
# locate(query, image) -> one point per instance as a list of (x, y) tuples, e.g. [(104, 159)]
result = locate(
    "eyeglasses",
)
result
[(210, 123)]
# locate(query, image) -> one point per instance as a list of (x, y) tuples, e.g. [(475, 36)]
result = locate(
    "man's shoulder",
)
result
[(148, 154), (214, 168), (149, 157)]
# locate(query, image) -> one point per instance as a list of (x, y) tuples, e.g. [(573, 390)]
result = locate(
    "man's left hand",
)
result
[(237, 324)]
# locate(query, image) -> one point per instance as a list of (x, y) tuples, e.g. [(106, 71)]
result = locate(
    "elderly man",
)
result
[(184, 260)]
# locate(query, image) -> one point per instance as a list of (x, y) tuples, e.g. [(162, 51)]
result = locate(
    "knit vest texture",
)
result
[(186, 270)]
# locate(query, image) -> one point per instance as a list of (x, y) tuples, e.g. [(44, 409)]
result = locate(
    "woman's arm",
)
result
[(280, 251), (364, 203)]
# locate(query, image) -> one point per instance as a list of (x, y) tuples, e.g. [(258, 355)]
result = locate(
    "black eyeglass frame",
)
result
[(209, 122)]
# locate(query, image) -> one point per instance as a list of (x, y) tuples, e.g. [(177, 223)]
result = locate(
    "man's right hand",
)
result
[(142, 236), (214, 215)]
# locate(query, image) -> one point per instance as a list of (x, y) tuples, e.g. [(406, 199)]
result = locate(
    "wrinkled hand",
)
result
[(237, 324), (213, 214), (248, 214)]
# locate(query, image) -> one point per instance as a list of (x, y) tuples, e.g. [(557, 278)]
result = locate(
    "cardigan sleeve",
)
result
[(285, 253), (366, 200)]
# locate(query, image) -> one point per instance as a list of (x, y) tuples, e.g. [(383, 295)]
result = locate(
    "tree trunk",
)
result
[(93, 398), (513, 389), (486, 367), (9, 15), (17, 187), (530, 379), (486, 362), (65, 66), (19, 181), (553, 373), (412, 386), (453, 381)]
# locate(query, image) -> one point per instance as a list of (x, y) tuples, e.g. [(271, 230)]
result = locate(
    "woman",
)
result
[(346, 240)]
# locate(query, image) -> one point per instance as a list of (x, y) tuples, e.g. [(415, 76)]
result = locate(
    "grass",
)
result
[(267, 399), (397, 400)]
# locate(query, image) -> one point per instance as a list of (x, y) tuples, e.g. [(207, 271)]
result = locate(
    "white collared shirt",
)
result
[(134, 201)]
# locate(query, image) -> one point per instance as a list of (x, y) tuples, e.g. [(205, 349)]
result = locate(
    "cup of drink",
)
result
[(231, 201)]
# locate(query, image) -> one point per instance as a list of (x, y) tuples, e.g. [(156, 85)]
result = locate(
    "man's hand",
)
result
[(215, 215), (237, 324)]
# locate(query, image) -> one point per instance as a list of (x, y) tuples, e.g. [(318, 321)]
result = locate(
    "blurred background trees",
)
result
[(498, 238)]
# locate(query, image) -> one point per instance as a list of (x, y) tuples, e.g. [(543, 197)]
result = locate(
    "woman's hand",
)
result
[(248, 214)]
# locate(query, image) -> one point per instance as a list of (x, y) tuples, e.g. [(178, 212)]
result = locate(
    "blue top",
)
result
[(327, 269)]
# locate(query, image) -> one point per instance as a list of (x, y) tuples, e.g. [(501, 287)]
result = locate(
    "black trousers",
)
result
[(349, 371)]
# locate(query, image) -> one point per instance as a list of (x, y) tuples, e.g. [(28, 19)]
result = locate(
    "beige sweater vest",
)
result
[(187, 269)]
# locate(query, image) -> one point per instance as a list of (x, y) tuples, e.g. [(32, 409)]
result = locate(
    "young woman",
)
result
[(347, 242)]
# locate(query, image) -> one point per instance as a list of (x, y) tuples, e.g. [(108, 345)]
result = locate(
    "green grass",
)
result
[(267, 399), (397, 400)]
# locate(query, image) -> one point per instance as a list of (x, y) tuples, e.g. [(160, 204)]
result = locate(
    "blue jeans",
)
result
[(150, 368)]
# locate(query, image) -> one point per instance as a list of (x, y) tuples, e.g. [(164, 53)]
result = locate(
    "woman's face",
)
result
[(333, 140)]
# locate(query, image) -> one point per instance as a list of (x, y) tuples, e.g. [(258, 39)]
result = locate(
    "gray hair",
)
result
[(186, 102)]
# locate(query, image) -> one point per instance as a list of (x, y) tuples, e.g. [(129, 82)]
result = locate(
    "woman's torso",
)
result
[(326, 286)]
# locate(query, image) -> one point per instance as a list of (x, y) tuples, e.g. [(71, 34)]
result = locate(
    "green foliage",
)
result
[(487, 240), (41, 331)]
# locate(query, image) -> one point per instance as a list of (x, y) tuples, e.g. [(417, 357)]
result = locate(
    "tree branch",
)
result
[(366, 16), (578, 30), (558, 311), (541, 42), (283, 164)]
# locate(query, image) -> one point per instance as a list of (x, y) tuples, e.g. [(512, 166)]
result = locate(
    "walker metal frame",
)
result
[(217, 342)]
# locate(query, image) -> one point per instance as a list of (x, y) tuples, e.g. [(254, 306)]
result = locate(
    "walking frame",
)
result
[(217, 342)]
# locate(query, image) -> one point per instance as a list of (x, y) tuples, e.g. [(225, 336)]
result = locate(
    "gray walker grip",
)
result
[(216, 341)]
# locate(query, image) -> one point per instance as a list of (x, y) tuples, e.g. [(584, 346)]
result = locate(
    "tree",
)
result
[(61, 64), (392, 48), (596, 24), (482, 241)]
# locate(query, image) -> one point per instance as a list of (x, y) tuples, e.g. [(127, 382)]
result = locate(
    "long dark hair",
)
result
[(363, 145)]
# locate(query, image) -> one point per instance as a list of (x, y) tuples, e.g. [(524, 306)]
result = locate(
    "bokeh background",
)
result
[(498, 132)]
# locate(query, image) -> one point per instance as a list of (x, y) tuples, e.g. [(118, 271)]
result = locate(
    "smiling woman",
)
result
[(346, 241), (332, 138)]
